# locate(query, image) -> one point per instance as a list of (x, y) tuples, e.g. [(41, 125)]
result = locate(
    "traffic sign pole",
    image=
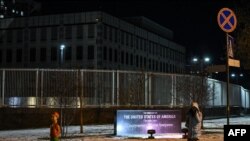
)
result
[(227, 66), (227, 22)]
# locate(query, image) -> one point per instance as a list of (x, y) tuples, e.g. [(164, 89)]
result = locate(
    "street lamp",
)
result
[(62, 46), (237, 77), (199, 64), (207, 59), (195, 59), (198, 67)]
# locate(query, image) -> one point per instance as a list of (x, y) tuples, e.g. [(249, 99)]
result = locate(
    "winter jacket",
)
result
[(193, 122)]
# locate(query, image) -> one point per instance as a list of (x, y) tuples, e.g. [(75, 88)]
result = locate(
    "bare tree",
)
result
[(64, 92), (194, 88), (136, 89), (243, 33)]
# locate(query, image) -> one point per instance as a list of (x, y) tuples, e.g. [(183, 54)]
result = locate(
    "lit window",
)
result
[(13, 11), (17, 12), (21, 13), (1, 16)]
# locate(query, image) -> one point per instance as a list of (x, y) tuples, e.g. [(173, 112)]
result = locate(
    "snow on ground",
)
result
[(213, 131)]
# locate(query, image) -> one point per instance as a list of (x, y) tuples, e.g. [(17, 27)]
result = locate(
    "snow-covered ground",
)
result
[(213, 131)]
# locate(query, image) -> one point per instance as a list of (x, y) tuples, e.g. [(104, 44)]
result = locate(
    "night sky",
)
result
[(194, 22)]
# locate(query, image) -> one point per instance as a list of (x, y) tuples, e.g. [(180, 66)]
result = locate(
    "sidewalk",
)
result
[(213, 131)]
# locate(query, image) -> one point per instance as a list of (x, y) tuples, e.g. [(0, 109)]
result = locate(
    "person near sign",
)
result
[(193, 122), (55, 129)]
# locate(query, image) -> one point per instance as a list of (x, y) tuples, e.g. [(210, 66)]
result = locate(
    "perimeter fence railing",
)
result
[(53, 88)]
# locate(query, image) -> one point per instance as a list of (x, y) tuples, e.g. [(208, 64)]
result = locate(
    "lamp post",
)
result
[(62, 47), (198, 68), (237, 77), (198, 64)]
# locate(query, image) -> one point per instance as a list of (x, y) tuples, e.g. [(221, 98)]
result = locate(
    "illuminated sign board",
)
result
[(135, 123)]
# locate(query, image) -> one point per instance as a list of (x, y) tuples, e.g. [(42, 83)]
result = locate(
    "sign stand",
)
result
[(227, 69), (227, 22)]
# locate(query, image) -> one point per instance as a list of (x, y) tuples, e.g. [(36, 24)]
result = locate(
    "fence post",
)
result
[(113, 88), (150, 90), (41, 101), (146, 89), (37, 75), (3, 85), (117, 86)]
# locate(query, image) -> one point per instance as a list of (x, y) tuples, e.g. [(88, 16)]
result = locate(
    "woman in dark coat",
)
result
[(193, 122)]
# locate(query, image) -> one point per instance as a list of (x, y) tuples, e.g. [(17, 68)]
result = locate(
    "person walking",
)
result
[(193, 122), (55, 129)]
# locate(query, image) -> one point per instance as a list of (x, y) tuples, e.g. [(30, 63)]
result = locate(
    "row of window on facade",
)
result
[(56, 32), (140, 43), (111, 56)]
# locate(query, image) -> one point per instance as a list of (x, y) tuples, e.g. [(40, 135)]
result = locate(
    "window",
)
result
[(43, 54), (141, 44), (68, 32), (9, 36), (126, 58), (116, 55), (105, 32), (132, 41), (122, 57), (32, 34), (9, 56), (79, 52), (1, 56), (131, 59), (91, 52), (43, 34), (1, 37), (79, 31), (141, 61), (122, 37), (104, 53), (149, 64), (91, 31), (32, 54), (116, 35), (137, 43), (110, 34), (110, 54), (19, 35), (19, 55), (53, 54), (68, 52), (127, 38), (54, 33), (137, 61)]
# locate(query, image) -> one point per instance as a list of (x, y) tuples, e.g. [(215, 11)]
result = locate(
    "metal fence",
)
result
[(70, 88)]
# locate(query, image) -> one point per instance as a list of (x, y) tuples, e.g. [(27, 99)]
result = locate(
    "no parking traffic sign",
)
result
[(227, 20)]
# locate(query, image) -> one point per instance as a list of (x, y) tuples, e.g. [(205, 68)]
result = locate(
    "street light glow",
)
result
[(207, 59), (232, 75), (62, 47), (195, 59)]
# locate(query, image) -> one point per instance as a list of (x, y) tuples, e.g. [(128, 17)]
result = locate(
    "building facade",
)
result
[(91, 40)]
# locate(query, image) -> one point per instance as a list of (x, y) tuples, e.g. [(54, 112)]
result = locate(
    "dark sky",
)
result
[(194, 22)]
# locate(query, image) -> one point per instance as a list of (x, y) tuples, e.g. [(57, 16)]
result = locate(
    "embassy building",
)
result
[(89, 40)]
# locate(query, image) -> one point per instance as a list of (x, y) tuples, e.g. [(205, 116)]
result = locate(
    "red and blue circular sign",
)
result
[(227, 20)]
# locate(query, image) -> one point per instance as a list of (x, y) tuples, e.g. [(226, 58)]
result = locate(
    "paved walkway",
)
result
[(213, 131)]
